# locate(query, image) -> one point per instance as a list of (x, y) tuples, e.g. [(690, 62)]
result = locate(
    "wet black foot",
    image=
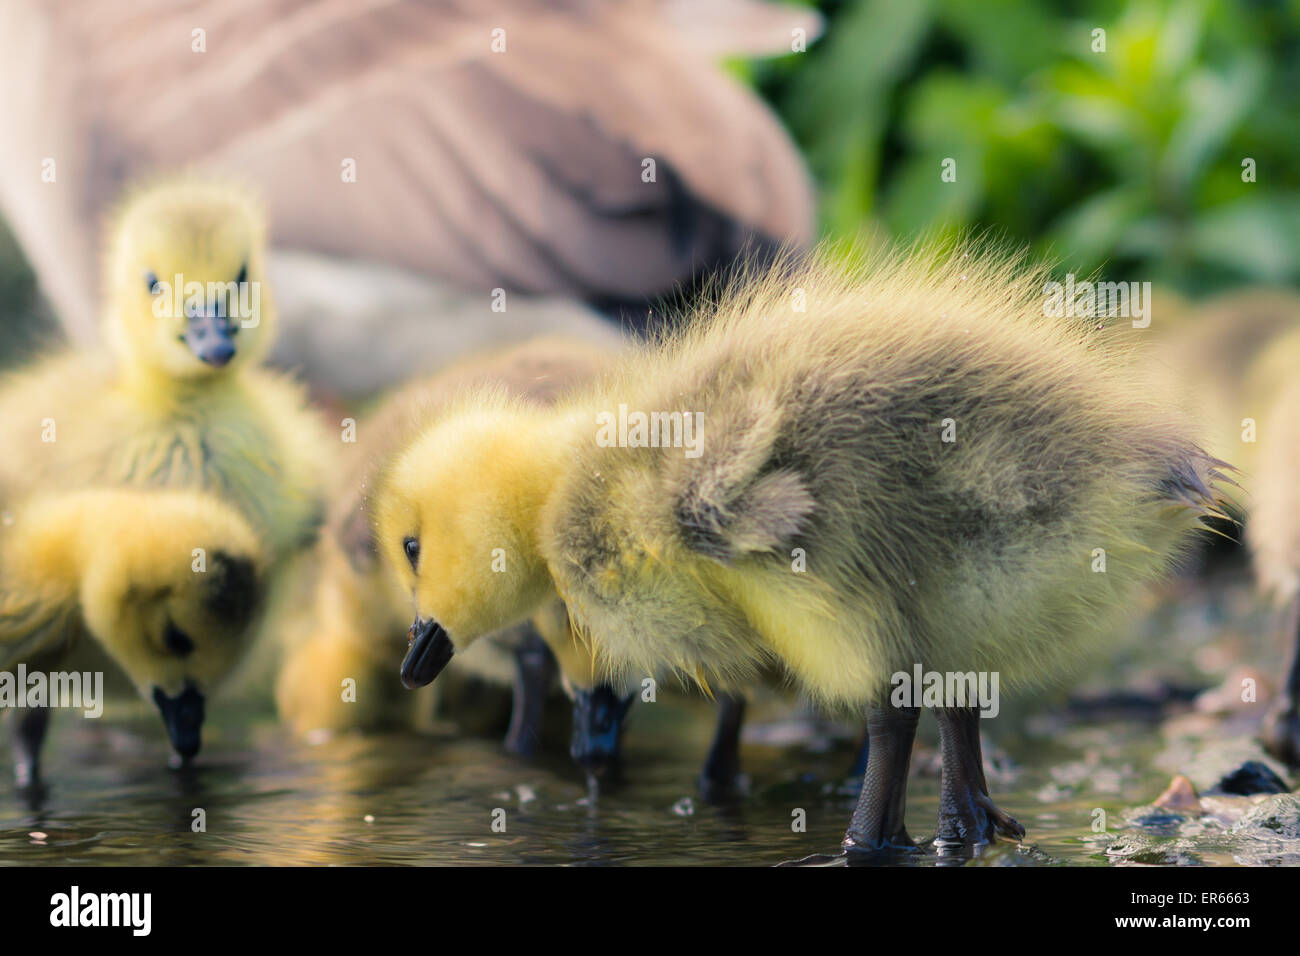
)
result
[(596, 744), (34, 796), (967, 815), (877, 823), (720, 792), (724, 790), (1281, 735), (978, 821), (29, 735), (889, 844), (721, 781), (893, 855)]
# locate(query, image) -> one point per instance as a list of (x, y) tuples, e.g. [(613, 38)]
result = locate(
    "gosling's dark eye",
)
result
[(243, 274), (177, 641), (151, 283), (412, 548)]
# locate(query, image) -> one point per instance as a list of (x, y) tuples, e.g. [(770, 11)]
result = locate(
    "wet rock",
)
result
[(1180, 796), (1157, 820), (1139, 848), (1277, 817), (1252, 777), (1225, 809), (1208, 759)]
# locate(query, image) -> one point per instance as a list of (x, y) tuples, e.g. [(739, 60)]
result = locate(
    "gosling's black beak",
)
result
[(427, 653), (183, 716), (211, 339), (598, 717)]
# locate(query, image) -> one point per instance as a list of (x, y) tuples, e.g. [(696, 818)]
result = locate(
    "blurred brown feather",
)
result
[(519, 170)]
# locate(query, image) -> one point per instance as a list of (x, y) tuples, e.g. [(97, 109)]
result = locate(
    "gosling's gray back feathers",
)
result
[(950, 467)]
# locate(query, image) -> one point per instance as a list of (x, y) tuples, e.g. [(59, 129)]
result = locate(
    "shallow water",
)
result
[(409, 799), (430, 799)]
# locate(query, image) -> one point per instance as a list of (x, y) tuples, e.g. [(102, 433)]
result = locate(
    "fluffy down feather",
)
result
[(825, 393)]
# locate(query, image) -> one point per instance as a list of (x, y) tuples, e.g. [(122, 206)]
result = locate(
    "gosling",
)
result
[(1273, 529), (360, 621), (169, 583), (857, 470), (177, 397), (1234, 366)]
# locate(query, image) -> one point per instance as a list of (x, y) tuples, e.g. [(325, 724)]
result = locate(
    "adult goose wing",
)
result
[(495, 143)]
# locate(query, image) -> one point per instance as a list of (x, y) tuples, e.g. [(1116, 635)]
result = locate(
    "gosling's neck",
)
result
[(156, 388)]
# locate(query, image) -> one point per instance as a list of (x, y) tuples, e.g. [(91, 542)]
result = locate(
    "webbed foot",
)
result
[(974, 820), (967, 815)]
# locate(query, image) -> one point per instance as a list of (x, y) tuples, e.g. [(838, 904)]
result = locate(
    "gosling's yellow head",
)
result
[(171, 586), (457, 518), (185, 284)]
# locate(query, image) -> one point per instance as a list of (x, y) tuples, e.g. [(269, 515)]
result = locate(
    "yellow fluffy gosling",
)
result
[(1233, 365), (1273, 529), (168, 582), (897, 463), (177, 399), (361, 617)]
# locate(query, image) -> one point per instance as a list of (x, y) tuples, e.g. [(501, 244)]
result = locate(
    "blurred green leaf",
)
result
[(1096, 226), (1260, 239), (1128, 157)]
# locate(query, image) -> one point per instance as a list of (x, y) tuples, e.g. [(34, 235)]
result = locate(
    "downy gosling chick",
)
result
[(851, 471), (177, 398), (359, 628), (169, 583), (1273, 527), (1233, 365)]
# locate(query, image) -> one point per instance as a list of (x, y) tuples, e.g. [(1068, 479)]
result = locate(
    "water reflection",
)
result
[(256, 796)]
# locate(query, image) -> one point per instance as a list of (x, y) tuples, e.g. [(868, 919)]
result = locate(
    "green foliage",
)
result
[(1128, 159)]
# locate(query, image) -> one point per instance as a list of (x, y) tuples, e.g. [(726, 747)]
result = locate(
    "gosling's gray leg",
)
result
[(859, 767), (534, 671), (29, 735), (1281, 730), (877, 822), (720, 778), (967, 815)]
